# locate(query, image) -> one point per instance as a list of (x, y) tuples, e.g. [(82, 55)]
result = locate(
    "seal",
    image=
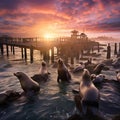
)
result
[(43, 69), (63, 73), (27, 84), (43, 74), (118, 75), (79, 68), (9, 96), (116, 63), (97, 78), (89, 94), (97, 70)]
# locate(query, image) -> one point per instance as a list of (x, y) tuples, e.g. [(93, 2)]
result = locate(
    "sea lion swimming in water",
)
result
[(97, 78), (89, 94), (27, 84), (63, 73)]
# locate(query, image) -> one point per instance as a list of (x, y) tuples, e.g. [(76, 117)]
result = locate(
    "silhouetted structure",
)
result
[(66, 46), (108, 51)]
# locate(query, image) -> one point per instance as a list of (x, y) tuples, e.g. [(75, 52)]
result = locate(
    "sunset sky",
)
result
[(59, 17)]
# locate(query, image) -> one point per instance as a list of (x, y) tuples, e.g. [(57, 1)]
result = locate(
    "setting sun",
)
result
[(49, 36)]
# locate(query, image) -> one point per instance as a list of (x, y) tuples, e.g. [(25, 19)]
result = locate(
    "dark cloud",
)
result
[(62, 14), (9, 5)]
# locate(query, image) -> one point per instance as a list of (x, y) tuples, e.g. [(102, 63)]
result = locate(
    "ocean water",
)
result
[(54, 101)]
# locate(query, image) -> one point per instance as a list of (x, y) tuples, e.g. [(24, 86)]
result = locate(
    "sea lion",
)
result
[(89, 94), (97, 70), (97, 78), (63, 73), (43, 74), (116, 63), (79, 68), (9, 96), (118, 75), (43, 69), (27, 84)]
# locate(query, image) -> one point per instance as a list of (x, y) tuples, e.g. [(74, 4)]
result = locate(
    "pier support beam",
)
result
[(108, 51), (31, 54), (72, 60), (2, 49), (25, 53), (52, 55), (119, 47), (13, 48), (115, 50), (22, 52), (7, 50)]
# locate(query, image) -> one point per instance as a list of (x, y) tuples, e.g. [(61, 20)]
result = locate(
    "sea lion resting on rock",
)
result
[(63, 73), (43, 73), (27, 84), (9, 96), (89, 94), (116, 63)]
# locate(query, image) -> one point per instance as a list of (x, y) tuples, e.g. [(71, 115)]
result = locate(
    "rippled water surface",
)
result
[(54, 101)]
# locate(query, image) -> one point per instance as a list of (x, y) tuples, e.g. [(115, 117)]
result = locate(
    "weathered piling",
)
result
[(119, 48), (115, 50), (31, 54), (52, 55), (13, 50), (81, 54), (45, 55), (108, 51), (22, 52), (25, 53), (2, 49), (72, 60), (7, 50)]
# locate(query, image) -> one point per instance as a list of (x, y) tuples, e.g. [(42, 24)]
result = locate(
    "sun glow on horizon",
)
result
[(49, 36)]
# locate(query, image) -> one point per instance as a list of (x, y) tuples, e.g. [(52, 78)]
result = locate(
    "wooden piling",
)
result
[(13, 48), (115, 50), (52, 55), (25, 53), (22, 52), (119, 47), (108, 51), (44, 55), (72, 60), (7, 50), (2, 49), (31, 54), (81, 54)]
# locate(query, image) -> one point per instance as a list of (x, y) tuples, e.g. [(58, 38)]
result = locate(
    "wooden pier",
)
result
[(66, 46)]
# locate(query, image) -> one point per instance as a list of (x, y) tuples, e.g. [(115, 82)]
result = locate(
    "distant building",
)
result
[(76, 36)]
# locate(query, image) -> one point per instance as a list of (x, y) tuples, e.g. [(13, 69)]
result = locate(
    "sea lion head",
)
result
[(86, 75), (60, 62), (43, 63), (20, 75)]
